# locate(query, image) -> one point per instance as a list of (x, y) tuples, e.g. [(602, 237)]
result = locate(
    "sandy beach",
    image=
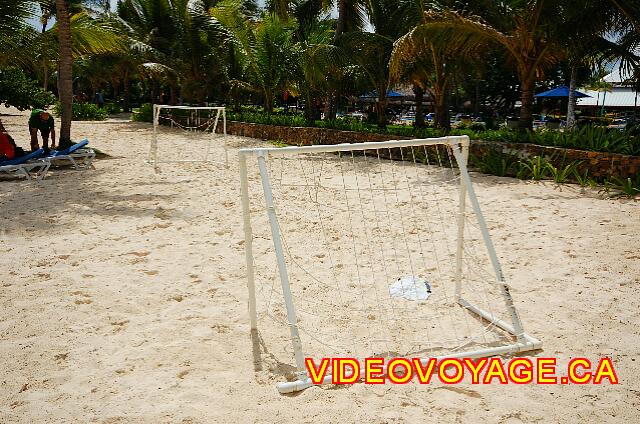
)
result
[(123, 297)]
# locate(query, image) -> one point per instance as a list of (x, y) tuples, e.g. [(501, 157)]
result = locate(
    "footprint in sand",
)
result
[(220, 328), (61, 356), (82, 301), (139, 257), (122, 371), (119, 325), (163, 214)]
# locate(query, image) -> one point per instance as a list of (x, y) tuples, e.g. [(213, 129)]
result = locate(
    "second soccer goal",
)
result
[(183, 134), (372, 250)]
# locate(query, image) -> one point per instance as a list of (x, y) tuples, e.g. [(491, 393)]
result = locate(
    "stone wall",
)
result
[(599, 164)]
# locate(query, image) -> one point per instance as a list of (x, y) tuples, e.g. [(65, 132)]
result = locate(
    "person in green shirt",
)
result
[(41, 121)]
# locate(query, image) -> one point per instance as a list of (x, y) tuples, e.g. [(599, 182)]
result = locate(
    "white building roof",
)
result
[(617, 97), (617, 76)]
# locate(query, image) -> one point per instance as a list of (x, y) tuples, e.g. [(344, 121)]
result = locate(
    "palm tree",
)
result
[(268, 48), (77, 34), (12, 16), (586, 43), (431, 63), (323, 68), (371, 51), (631, 11), (65, 73), (14, 34), (351, 16), (525, 30), (274, 56), (14, 31), (184, 38)]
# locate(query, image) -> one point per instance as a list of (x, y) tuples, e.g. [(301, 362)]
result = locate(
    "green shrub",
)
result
[(587, 137), (628, 187), (562, 173), (143, 114), (16, 89), (245, 115), (584, 179), (494, 162), (112, 108), (83, 112), (477, 127), (535, 168)]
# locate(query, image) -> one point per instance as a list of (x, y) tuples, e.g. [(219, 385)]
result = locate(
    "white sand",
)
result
[(123, 300)]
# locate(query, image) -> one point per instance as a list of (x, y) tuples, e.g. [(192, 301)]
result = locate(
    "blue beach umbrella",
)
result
[(560, 92), (374, 94)]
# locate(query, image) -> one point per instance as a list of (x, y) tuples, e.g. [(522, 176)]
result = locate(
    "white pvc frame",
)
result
[(153, 154), (41, 167), (460, 148)]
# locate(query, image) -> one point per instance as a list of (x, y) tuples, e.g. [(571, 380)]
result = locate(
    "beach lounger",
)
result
[(78, 156), (24, 165)]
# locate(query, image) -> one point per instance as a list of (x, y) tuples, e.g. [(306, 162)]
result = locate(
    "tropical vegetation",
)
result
[(314, 59)]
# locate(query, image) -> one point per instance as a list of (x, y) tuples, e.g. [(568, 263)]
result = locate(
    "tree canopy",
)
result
[(235, 52)]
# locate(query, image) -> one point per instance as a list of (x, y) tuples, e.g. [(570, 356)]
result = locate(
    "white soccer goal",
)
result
[(371, 250), (188, 134)]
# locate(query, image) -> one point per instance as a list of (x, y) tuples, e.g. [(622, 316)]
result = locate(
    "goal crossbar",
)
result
[(460, 147), (350, 147)]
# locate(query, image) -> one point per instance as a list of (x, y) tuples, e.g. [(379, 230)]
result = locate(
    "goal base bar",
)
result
[(153, 162), (525, 343)]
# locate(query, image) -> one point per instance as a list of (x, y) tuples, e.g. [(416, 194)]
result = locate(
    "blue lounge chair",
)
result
[(77, 155), (24, 165)]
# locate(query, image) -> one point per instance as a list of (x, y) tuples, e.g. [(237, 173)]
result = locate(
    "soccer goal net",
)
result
[(372, 250), (188, 134)]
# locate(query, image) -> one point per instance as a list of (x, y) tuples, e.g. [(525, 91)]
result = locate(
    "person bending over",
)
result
[(41, 121)]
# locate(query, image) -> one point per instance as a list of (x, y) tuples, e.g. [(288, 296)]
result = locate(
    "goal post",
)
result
[(183, 134), (372, 249)]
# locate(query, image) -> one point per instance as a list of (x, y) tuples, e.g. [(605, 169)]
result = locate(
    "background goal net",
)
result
[(372, 250), (188, 134)]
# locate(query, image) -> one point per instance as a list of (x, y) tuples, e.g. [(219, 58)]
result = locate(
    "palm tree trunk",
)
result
[(571, 108), (382, 107), (419, 92), (526, 99), (342, 7), (126, 106), (335, 99), (476, 106), (45, 78), (173, 98), (440, 94), (442, 112), (45, 75), (308, 112), (65, 83), (268, 102)]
